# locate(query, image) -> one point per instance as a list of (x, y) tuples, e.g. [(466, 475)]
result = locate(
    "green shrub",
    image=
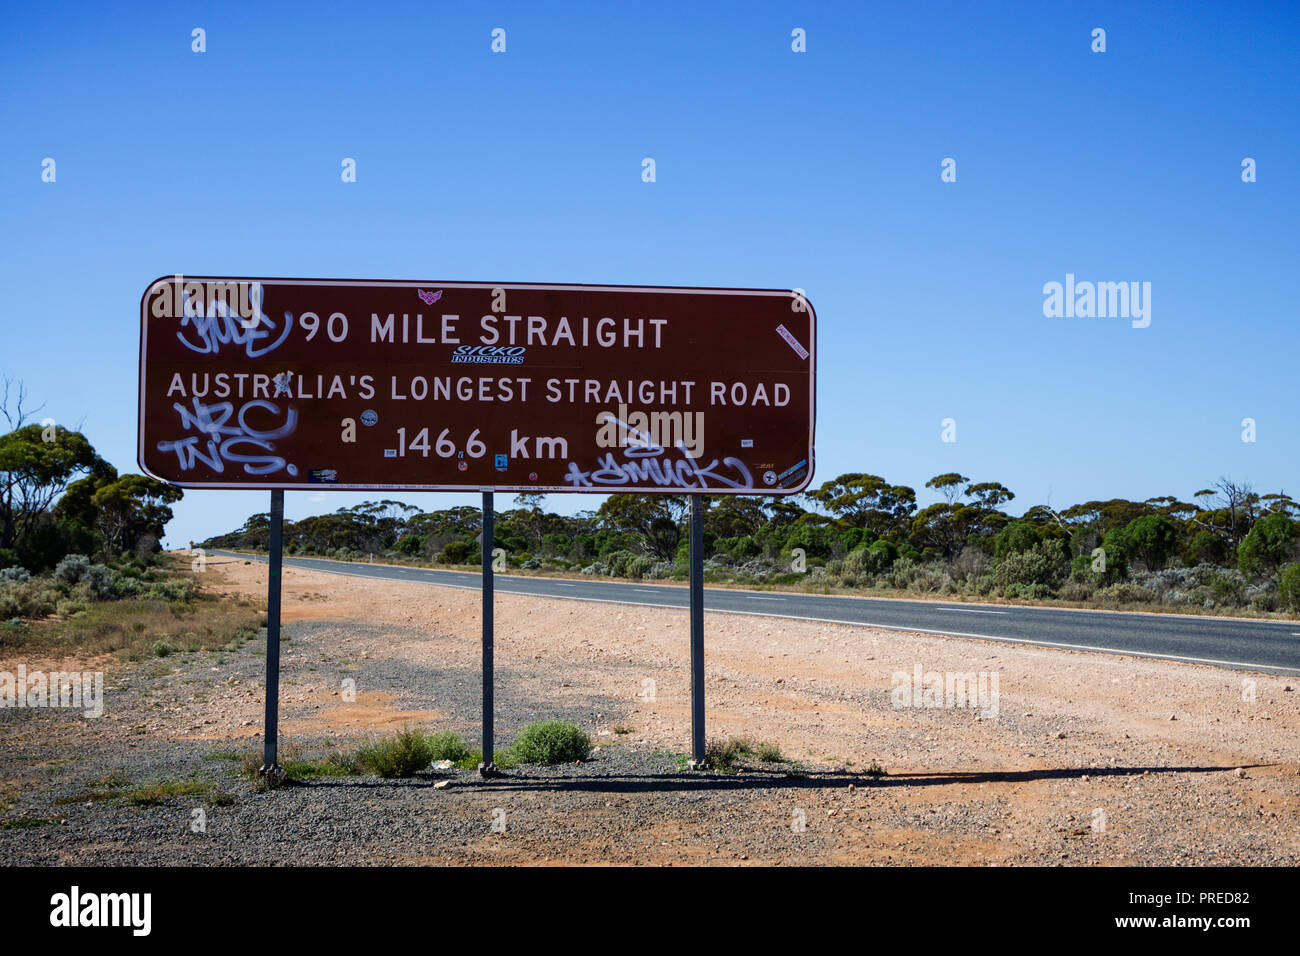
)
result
[(789, 577), (1032, 573), (1268, 544), (455, 552), (618, 562), (1014, 538), (69, 607), (880, 556), (409, 545), (1125, 593), (447, 745), (742, 548), (769, 752), (1031, 591), (101, 583), (1152, 539), (401, 756), (722, 754), (901, 574), (30, 599), (552, 741), (175, 590), (817, 542), (1077, 589), (1264, 601), (8, 558), (1207, 548), (1228, 587), (853, 537), (336, 764), (909, 574), (1118, 545), (638, 566), (983, 583), (854, 566), (72, 568), (1288, 587)]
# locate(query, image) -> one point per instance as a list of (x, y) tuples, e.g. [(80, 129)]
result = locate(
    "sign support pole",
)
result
[(697, 630), (487, 767), (272, 734)]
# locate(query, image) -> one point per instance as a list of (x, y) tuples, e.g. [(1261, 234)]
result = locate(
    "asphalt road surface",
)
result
[(1269, 646)]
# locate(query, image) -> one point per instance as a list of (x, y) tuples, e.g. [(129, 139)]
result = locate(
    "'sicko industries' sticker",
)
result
[(792, 341)]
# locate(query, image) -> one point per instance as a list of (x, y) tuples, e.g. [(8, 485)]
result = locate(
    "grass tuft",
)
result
[(26, 823), (722, 754), (769, 752), (153, 794)]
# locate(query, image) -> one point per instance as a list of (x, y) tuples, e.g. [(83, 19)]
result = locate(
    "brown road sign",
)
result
[(328, 383)]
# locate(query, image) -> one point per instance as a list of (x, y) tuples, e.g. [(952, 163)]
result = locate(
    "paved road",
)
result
[(1269, 646)]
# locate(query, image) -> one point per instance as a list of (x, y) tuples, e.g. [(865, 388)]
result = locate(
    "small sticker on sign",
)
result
[(792, 341), (390, 452), (747, 443)]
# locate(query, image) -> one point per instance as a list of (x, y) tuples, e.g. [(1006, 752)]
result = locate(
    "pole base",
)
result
[(488, 770), (273, 771)]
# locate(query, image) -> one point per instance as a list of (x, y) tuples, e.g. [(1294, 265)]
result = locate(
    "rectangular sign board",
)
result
[(468, 386)]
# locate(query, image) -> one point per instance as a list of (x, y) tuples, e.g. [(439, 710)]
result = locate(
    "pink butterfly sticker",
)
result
[(429, 297)]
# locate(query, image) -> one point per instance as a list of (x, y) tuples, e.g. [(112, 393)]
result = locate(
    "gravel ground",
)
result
[(1093, 759)]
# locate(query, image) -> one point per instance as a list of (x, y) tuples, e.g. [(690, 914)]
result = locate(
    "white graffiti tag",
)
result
[(224, 325), (227, 440), (651, 466)]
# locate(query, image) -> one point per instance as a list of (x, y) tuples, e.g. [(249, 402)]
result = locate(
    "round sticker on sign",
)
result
[(769, 477), (462, 465), (369, 417)]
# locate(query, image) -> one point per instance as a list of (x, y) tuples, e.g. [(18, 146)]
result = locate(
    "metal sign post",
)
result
[(697, 630), (487, 766), (269, 750)]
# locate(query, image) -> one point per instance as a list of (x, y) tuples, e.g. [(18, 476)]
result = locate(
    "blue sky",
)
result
[(775, 169)]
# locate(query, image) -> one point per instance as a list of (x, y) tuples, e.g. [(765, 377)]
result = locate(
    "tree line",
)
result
[(858, 528), (58, 496)]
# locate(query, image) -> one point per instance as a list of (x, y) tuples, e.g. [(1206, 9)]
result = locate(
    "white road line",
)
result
[(756, 598), (970, 610)]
